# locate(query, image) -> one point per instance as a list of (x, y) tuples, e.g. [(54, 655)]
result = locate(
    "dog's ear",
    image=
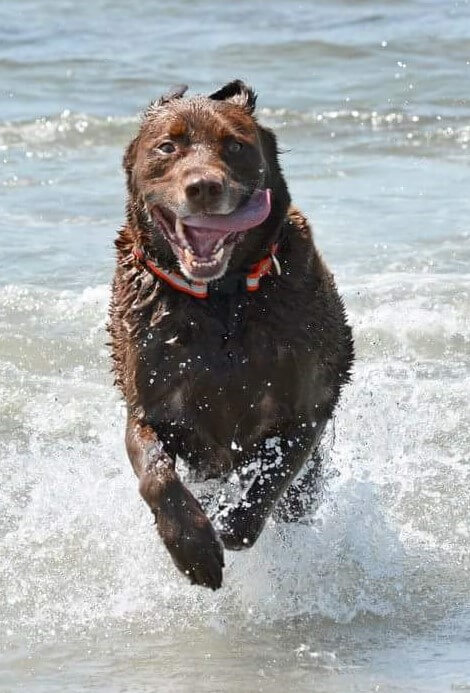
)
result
[(237, 92), (175, 92), (128, 160)]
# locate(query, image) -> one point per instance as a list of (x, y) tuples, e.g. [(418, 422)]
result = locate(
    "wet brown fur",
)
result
[(200, 374)]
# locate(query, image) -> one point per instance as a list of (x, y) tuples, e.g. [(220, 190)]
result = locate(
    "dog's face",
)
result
[(198, 172)]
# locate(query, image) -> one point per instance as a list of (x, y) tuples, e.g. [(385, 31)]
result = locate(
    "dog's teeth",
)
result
[(179, 227), (218, 255)]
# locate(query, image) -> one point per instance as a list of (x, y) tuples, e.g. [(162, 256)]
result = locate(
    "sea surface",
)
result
[(370, 102)]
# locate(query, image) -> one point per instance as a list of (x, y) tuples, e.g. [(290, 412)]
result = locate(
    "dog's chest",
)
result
[(213, 374)]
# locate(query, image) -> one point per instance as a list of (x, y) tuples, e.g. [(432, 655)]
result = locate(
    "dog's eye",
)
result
[(166, 148), (235, 146)]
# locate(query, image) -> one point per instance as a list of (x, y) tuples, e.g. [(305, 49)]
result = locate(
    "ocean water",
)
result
[(370, 102)]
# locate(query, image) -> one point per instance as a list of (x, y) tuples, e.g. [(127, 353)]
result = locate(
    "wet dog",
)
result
[(229, 339)]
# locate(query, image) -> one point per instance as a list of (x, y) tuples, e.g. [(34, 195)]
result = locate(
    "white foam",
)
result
[(78, 549)]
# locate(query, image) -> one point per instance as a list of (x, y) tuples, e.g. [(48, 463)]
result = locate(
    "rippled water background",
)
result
[(370, 103)]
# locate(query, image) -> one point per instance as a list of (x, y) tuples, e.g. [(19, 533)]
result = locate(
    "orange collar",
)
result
[(200, 289)]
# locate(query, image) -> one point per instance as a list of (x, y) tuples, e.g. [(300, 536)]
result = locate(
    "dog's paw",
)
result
[(237, 528), (194, 545)]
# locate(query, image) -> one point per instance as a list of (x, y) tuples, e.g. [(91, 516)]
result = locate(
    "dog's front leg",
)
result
[(186, 531), (276, 462)]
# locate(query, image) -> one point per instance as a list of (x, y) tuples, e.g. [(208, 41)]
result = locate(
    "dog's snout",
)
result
[(204, 190)]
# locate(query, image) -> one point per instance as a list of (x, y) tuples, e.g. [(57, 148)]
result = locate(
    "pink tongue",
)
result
[(253, 213), (203, 241)]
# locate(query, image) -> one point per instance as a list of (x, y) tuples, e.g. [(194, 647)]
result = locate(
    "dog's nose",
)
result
[(204, 190)]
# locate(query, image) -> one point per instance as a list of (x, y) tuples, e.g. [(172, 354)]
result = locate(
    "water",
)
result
[(370, 103)]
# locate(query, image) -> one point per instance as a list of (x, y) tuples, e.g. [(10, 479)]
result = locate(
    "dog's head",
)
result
[(204, 180)]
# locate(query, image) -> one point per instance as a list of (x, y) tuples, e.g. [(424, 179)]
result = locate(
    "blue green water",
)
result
[(370, 103)]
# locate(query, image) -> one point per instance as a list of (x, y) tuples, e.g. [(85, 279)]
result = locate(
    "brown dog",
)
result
[(229, 339)]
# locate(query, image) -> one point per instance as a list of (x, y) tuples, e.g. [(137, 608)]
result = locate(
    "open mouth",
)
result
[(203, 243)]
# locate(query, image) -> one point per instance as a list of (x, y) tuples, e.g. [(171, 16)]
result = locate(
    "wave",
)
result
[(77, 545), (75, 130), (68, 130)]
